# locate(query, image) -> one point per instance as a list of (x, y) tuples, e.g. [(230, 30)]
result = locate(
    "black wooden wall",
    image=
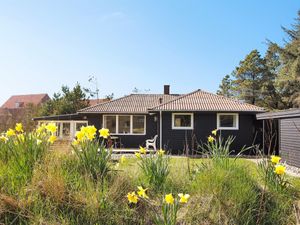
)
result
[(289, 140)]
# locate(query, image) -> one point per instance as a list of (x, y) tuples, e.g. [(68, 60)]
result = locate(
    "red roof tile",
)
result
[(20, 101)]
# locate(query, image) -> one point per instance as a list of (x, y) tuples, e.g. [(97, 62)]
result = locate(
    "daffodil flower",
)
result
[(19, 127), (10, 133), (279, 169), (104, 133), (160, 152), (51, 139), (142, 150), (138, 155), (169, 199), (275, 159), (210, 139), (51, 127), (214, 132), (183, 197), (132, 197), (142, 192), (3, 138)]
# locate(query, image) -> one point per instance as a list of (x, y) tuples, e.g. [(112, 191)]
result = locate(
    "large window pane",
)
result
[(138, 124), (184, 120), (227, 121), (66, 128), (110, 123), (124, 124)]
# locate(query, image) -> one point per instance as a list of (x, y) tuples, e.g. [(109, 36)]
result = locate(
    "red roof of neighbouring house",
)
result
[(20, 101)]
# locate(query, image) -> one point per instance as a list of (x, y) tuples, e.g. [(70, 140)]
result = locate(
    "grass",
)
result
[(59, 193)]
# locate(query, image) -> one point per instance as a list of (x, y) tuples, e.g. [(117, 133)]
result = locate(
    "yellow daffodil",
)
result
[(19, 127), (169, 199), (41, 128), (214, 132), (132, 197), (104, 133), (117, 165), (38, 141), (51, 127), (279, 169), (89, 132), (210, 138), (275, 159), (183, 197), (51, 139), (3, 138), (79, 136), (123, 159), (10, 133), (138, 155), (142, 150), (142, 192), (160, 152)]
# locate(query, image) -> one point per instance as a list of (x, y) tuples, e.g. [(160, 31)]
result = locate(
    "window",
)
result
[(182, 121), (66, 130), (227, 121), (125, 124), (138, 124), (110, 122)]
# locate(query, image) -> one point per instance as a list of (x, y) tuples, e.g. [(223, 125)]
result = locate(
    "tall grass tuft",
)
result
[(155, 168)]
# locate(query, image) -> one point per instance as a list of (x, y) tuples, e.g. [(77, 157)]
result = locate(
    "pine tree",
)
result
[(288, 81), (225, 88), (249, 77)]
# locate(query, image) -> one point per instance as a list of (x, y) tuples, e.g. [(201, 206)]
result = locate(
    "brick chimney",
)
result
[(166, 89)]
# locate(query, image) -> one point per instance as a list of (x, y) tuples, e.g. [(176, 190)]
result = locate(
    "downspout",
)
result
[(160, 129), (263, 136)]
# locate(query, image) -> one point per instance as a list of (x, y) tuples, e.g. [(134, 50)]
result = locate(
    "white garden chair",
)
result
[(151, 142)]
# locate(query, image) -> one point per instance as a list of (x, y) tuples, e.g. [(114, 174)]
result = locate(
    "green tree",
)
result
[(288, 81), (226, 88), (67, 101), (249, 76), (270, 93)]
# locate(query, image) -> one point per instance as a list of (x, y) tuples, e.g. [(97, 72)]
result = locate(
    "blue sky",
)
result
[(127, 44)]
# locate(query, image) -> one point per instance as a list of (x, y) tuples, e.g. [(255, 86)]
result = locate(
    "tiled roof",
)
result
[(19, 101), (93, 102), (204, 101), (134, 103)]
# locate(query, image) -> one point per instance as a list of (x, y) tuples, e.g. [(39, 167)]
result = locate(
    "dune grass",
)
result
[(60, 189)]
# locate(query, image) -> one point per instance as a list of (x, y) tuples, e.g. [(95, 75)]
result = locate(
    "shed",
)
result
[(288, 127)]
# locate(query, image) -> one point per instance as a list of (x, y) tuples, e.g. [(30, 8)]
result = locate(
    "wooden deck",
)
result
[(128, 150)]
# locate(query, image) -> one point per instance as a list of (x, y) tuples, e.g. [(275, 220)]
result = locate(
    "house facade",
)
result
[(180, 121)]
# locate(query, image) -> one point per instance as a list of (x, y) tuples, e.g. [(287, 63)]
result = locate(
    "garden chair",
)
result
[(151, 142)]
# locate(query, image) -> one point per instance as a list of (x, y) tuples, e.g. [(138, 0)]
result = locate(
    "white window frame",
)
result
[(228, 128), (183, 128), (60, 131), (131, 124)]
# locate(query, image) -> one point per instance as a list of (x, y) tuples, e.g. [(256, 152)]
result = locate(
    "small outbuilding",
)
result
[(284, 128)]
